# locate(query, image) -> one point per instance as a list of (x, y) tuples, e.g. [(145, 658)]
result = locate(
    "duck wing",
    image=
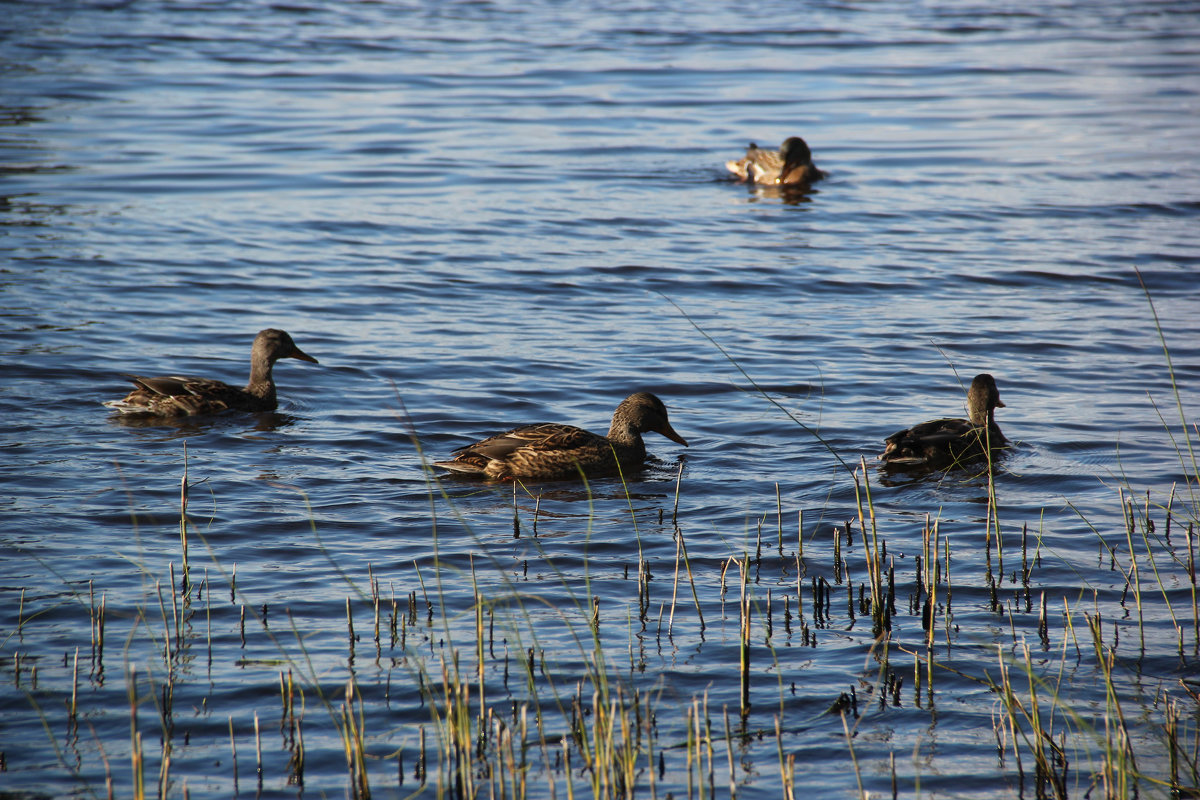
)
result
[(935, 442), (540, 436), (177, 396), (757, 166), (543, 437)]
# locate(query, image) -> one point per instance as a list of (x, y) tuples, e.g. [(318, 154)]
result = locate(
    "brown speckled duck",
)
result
[(946, 442), (178, 396), (550, 451), (790, 165)]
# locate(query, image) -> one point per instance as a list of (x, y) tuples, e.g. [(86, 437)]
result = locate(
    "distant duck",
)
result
[(549, 451), (790, 165), (178, 396), (946, 442)]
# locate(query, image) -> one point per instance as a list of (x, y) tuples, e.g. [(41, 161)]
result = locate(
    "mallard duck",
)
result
[(548, 450), (178, 396), (790, 165), (944, 442)]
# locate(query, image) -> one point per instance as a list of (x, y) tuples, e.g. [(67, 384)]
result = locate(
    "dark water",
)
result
[(476, 214)]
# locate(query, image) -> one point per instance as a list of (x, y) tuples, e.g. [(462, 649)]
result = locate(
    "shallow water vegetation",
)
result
[(462, 675), (466, 677)]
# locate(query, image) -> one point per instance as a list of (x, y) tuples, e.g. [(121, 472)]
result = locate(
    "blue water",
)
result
[(481, 214)]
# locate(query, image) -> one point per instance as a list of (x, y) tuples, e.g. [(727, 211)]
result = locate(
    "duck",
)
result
[(553, 451), (180, 396), (790, 165), (946, 442)]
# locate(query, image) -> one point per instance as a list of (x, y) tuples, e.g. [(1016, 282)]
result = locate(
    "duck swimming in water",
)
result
[(790, 165), (179, 396), (549, 450), (946, 442)]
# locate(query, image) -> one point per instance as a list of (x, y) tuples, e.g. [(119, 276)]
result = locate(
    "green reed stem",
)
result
[(183, 526), (1195, 467), (744, 649)]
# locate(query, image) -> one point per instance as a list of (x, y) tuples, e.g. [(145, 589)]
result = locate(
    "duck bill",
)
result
[(303, 356), (670, 433)]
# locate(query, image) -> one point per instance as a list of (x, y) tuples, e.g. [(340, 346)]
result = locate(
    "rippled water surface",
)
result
[(476, 214)]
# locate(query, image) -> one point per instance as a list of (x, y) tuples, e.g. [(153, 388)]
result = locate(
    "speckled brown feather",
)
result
[(179, 396), (549, 450)]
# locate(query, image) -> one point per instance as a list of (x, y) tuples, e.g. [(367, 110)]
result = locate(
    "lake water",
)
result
[(477, 214)]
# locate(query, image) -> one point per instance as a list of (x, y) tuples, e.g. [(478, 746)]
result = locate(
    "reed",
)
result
[(681, 550), (872, 558), (73, 709), (258, 762), (100, 622), (137, 765), (208, 623), (233, 754), (744, 637), (608, 729), (183, 522), (853, 758), (354, 742)]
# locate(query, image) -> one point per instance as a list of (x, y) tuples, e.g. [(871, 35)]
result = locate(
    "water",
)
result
[(480, 214)]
